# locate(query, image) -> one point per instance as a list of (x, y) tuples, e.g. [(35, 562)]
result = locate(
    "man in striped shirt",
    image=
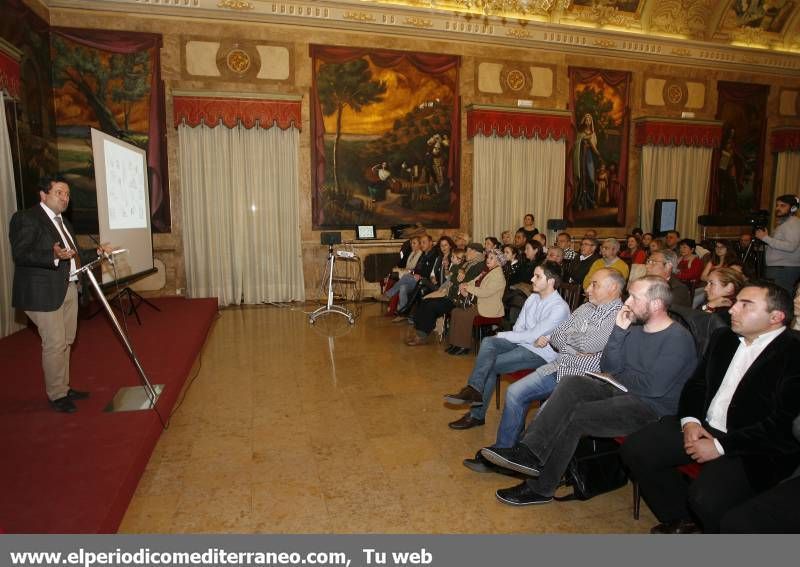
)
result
[(579, 341)]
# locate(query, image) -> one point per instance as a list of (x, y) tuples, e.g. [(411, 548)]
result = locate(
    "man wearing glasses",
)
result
[(663, 263)]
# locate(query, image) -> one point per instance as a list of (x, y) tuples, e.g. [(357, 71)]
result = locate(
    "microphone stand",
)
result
[(132, 398)]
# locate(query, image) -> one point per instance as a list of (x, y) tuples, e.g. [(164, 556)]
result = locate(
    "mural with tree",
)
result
[(384, 124), (106, 81)]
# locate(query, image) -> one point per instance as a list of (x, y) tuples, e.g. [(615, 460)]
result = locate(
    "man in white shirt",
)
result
[(735, 418), (45, 254), (514, 350)]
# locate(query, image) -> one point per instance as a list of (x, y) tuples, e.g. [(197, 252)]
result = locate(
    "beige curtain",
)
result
[(675, 172), (241, 214), (787, 172), (8, 206), (515, 176)]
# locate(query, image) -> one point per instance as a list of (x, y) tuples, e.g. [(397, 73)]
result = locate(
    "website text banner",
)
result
[(390, 550)]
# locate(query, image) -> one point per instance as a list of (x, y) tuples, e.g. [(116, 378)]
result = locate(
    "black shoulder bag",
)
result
[(594, 469)]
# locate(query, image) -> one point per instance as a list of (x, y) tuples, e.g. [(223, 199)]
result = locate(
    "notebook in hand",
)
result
[(608, 379)]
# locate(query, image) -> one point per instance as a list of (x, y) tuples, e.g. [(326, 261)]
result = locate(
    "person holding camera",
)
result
[(782, 256)]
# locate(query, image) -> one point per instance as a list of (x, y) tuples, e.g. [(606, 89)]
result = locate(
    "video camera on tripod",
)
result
[(757, 219)]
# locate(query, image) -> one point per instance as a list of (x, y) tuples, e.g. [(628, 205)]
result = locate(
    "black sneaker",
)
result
[(467, 395), (480, 465), (521, 495), (518, 458)]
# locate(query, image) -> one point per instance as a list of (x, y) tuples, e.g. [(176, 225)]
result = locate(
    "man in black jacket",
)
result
[(45, 253), (578, 267), (735, 418)]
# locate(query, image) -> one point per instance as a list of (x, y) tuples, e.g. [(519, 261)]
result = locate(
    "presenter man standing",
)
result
[(45, 253), (783, 247)]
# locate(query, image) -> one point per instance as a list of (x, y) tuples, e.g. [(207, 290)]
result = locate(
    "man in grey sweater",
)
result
[(782, 255), (649, 364)]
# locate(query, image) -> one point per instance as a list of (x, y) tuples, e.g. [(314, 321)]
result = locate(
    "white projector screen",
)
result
[(123, 205)]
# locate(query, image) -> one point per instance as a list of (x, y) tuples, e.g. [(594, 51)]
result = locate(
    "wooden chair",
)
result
[(481, 327), (572, 294)]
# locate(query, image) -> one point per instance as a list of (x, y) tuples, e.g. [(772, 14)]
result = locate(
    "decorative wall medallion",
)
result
[(238, 61), (675, 94), (515, 79)]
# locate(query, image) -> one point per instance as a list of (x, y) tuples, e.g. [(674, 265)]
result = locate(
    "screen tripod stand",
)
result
[(329, 307)]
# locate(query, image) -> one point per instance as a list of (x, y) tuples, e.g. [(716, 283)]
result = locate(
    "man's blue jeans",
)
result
[(519, 397), (404, 286), (498, 356)]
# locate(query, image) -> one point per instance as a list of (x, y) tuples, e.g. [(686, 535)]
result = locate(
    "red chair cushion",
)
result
[(479, 321)]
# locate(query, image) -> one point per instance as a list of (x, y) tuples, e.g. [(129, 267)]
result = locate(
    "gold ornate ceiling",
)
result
[(771, 24), (744, 34)]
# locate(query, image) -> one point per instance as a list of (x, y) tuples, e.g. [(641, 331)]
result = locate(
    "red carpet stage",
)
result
[(76, 473)]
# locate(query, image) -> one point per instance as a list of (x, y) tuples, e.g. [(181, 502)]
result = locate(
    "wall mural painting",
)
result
[(597, 158), (768, 15), (738, 164), (386, 138), (621, 5), (108, 81)]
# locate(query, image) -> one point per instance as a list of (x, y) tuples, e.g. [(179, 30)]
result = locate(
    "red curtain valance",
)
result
[(669, 133), (9, 75), (197, 110), (785, 140), (518, 124)]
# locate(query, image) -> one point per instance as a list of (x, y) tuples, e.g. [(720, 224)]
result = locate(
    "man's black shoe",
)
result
[(677, 527), (480, 465), (466, 422), (77, 395), (467, 395), (450, 349), (459, 351), (64, 405), (518, 458), (521, 495)]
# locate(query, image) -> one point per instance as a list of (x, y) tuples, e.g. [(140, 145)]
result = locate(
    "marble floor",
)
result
[(293, 428)]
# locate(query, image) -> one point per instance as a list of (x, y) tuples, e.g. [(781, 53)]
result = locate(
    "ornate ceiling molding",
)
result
[(417, 18)]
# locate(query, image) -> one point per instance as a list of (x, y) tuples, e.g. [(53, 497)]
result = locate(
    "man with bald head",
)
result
[(579, 342), (641, 357)]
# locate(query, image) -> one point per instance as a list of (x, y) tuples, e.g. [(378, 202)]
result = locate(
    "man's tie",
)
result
[(68, 238)]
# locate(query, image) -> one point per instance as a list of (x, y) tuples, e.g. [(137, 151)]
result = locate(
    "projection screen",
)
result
[(123, 205)]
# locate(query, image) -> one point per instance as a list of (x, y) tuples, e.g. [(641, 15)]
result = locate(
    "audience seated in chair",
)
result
[(735, 418), (465, 267), (514, 350), (641, 356), (422, 271), (564, 241), (579, 267), (487, 292), (608, 259), (663, 263), (579, 342), (690, 267)]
